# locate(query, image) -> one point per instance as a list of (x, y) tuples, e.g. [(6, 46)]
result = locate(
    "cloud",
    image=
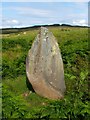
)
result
[(10, 23), (15, 21), (29, 14), (80, 22), (35, 12), (29, 11)]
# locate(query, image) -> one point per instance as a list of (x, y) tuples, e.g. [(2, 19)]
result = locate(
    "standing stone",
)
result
[(44, 66)]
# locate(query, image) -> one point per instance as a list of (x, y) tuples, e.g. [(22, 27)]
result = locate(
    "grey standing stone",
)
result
[(44, 66)]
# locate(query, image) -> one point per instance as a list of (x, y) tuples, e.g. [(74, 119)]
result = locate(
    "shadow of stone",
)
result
[(29, 86)]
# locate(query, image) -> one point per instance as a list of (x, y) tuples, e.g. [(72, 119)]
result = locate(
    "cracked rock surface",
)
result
[(44, 66)]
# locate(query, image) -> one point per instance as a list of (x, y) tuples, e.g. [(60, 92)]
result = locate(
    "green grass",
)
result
[(19, 99)]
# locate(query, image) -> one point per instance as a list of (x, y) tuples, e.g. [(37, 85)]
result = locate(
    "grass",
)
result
[(19, 99)]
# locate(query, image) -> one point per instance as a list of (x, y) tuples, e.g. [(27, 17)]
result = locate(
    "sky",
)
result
[(25, 14)]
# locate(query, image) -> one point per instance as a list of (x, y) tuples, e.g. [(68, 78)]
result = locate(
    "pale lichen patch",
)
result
[(44, 39)]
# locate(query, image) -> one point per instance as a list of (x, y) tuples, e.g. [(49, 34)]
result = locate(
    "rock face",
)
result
[(44, 66)]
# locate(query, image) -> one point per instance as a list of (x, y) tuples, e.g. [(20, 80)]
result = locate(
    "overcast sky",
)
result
[(23, 14)]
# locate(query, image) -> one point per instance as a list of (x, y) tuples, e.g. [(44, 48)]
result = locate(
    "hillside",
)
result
[(16, 30), (20, 100)]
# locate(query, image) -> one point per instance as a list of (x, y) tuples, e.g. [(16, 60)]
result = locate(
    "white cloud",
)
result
[(15, 21), (28, 11), (80, 22), (10, 23), (36, 12), (76, 14)]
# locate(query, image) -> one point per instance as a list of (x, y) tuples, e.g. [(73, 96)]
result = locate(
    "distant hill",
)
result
[(15, 30)]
